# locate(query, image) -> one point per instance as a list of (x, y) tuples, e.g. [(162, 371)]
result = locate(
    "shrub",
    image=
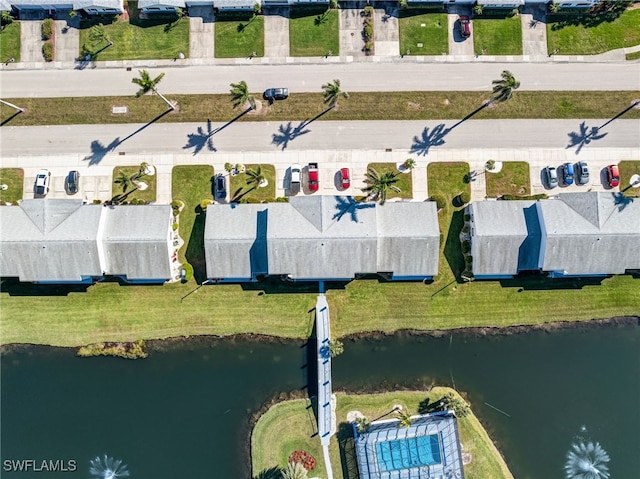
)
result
[(282, 199), (403, 3), (204, 203), (468, 261), (133, 350), (7, 19), (360, 198), (467, 217), (97, 202), (333, 4), (304, 458), (465, 197), (368, 46), (336, 348), (458, 405), (368, 31), (176, 205), (466, 246), (252, 201), (47, 51), (175, 226), (228, 167), (541, 196), (362, 424), (188, 271), (368, 11), (47, 28), (440, 200), (269, 200)]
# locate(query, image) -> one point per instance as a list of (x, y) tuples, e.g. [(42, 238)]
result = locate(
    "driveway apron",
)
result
[(201, 32), (276, 32), (31, 41), (351, 25), (67, 40), (385, 30), (458, 45), (534, 33)]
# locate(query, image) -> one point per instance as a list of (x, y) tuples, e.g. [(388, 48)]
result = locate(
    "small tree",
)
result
[(336, 348), (409, 164), (148, 84), (123, 180), (7, 19), (240, 95), (362, 424), (478, 9), (228, 167), (404, 417), (554, 7), (503, 88), (379, 185), (455, 403), (255, 177)]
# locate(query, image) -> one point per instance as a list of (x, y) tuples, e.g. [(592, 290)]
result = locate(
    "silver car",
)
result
[(552, 176)]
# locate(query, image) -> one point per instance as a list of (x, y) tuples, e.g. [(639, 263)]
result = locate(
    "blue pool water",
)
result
[(410, 452)]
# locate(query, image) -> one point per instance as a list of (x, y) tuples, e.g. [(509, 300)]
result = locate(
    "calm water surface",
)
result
[(183, 413)]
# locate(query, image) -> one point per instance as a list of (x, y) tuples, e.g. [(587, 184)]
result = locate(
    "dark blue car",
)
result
[(221, 186), (567, 174)]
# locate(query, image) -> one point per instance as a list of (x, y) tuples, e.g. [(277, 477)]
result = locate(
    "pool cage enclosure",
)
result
[(428, 449)]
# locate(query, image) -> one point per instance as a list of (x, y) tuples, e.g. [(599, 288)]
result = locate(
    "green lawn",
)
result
[(271, 448), (592, 36), (627, 170), (14, 179), (141, 39), (512, 179), (10, 42), (132, 192), (633, 56), (405, 181), (429, 30), (191, 184), (239, 37), (422, 105), (239, 189), (447, 180), (310, 38), (497, 36)]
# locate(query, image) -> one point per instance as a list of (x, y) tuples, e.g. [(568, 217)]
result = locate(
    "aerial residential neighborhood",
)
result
[(288, 239)]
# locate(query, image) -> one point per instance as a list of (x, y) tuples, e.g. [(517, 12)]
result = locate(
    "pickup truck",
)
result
[(312, 170)]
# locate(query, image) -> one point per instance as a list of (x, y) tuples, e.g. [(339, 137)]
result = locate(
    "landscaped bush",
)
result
[(456, 404), (175, 226), (204, 203), (440, 200), (541, 196), (304, 458), (466, 246), (468, 261), (188, 271), (47, 51), (282, 199), (133, 350), (47, 28)]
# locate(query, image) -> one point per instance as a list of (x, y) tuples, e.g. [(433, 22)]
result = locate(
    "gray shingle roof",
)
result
[(505, 237), (75, 4), (49, 240), (231, 231), (137, 241), (506, 3), (162, 3), (590, 233), (321, 237), (237, 4)]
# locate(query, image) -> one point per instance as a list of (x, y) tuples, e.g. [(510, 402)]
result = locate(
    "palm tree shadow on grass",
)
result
[(452, 247), (99, 151), (421, 145), (195, 250), (584, 136), (289, 133), (7, 120), (349, 205), (200, 139), (272, 473)]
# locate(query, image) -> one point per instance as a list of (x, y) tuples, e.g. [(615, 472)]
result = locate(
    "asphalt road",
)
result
[(309, 78), (96, 141)]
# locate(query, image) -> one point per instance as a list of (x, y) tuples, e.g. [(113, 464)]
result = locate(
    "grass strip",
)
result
[(251, 193), (14, 179), (133, 192), (303, 106), (425, 34), (239, 38), (10, 41), (497, 36), (627, 170), (405, 181), (313, 31), (270, 448), (589, 35), (512, 179)]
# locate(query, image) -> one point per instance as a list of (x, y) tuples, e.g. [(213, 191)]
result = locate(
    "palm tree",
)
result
[(554, 7), (240, 95), (294, 470), (503, 88), (123, 180), (405, 419), (148, 84), (378, 185), (332, 92), (256, 177)]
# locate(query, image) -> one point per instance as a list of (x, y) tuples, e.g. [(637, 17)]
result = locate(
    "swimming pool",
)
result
[(410, 452)]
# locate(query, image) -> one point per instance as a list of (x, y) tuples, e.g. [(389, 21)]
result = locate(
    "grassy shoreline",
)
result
[(420, 105), (270, 448)]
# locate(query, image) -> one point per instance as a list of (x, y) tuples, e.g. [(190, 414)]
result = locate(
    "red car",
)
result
[(465, 26), (345, 180), (613, 176), (314, 182)]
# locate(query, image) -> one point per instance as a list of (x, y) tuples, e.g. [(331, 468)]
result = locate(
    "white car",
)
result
[(42, 182), (295, 174)]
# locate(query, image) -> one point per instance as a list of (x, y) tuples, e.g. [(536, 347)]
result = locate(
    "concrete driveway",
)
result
[(67, 40), (534, 33), (385, 30), (351, 43), (201, 32), (276, 32), (458, 45), (93, 184), (31, 41)]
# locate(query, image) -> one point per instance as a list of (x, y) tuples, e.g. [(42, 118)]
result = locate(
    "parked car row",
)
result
[(43, 181), (569, 174), (313, 177)]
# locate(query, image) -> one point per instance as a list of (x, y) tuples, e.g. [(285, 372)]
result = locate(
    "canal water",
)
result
[(183, 412)]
